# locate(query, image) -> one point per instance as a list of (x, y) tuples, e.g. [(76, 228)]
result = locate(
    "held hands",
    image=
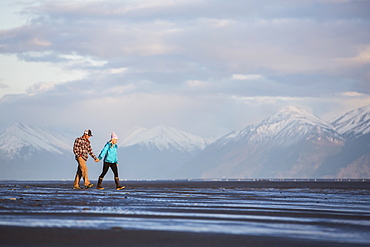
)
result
[(97, 160)]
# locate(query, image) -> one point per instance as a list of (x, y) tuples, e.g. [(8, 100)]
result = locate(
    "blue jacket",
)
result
[(109, 153)]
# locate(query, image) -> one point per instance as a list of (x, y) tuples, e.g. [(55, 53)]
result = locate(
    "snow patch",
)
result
[(164, 138), (19, 135), (354, 123), (285, 127)]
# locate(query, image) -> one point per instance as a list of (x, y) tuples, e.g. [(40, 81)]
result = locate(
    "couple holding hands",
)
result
[(82, 149)]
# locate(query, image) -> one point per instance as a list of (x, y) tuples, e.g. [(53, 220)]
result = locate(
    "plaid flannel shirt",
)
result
[(82, 148)]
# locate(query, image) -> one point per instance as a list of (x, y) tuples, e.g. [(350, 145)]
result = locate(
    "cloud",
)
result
[(197, 84), (246, 77), (110, 30), (38, 88), (186, 63), (2, 85), (362, 57), (352, 94)]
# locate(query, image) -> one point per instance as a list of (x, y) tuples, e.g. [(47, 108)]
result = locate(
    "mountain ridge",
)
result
[(291, 143), (18, 135), (164, 138), (354, 123), (156, 153), (281, 125)]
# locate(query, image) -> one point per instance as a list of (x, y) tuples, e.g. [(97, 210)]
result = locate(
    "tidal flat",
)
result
[(186, 213)]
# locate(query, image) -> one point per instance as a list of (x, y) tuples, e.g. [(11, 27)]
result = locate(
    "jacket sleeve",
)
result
[(76, 148), (103, 152), (91, 152), (117, 154)]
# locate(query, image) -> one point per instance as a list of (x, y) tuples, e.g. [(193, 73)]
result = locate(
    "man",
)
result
[(82, 149)]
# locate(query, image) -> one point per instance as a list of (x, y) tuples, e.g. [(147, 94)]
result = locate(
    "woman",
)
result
[(109, 153)]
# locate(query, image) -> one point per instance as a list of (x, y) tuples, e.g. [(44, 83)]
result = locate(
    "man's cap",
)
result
[(88, 132)]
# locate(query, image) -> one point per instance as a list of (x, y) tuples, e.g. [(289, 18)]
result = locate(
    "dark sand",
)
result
[(20, 236), (186, 213)]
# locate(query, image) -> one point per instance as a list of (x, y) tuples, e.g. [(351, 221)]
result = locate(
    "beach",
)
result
[(186, 213)]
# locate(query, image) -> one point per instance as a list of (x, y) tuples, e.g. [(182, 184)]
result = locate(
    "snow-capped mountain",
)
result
[(354, 123), (287, 126), (164, 138), (19, 136), (354, 159), (291, 143), (291, 124), (158, 152), (130, 137), (30, 152)]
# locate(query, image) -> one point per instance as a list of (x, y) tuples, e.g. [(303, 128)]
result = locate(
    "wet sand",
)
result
[(19, 236), (186, 213)]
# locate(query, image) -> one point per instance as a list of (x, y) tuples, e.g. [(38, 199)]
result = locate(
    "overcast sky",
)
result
[(205, 67)]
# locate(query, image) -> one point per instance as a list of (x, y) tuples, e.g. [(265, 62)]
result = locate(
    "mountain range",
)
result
[(292, 143)]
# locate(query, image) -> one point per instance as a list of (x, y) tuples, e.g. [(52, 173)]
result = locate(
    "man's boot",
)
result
[(99, 187), (118, 186)]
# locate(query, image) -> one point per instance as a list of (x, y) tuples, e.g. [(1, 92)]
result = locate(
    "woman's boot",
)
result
[(99, 187), (118, 186)]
